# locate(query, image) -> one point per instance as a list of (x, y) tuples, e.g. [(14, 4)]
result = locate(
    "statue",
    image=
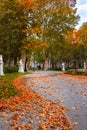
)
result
[(63, 66), (21, 67), (1, 65)]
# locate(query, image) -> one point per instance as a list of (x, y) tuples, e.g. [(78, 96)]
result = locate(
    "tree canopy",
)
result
[(34, 26)]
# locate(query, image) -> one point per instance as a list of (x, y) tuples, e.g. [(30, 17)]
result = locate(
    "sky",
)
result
[(82, 11)]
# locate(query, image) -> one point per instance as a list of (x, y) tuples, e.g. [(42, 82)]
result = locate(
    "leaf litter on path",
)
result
[(31, 112)]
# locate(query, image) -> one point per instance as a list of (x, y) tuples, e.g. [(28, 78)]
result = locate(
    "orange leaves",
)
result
[(16, 116), (73, 37), (13, 123), (37, 30), (25, 126), (13, 101), (46, 114), (34, 30), (65, 128), (83, 34), (24, 2), (44, 126)]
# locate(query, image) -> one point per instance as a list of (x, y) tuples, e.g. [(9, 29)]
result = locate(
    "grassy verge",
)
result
[(7, 88)]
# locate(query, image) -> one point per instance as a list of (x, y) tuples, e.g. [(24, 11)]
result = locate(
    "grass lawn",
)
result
[(6, 85)]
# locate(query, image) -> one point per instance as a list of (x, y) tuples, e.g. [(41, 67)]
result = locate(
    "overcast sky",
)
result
[(82, 11)]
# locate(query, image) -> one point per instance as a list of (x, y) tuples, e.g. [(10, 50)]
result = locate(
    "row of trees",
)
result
[(76, 46), (43, 29)]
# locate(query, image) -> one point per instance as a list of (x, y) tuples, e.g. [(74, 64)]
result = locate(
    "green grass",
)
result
[(6, 86)]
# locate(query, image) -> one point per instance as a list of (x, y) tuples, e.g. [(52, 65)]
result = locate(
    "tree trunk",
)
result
[(15, 60), (46, 63), (24, 59), (26, 65)]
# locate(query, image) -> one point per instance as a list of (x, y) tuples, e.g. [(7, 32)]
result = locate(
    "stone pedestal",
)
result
[(21, 68), (1, 65), (63, 66)]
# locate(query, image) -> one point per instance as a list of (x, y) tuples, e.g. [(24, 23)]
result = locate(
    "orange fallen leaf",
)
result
[(65, 128), (4, 114), (43, 126)]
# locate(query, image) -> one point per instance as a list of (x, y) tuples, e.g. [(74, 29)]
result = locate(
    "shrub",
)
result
[(11, 69), (71, 71), (85, 70), (56, 69), (76, 72)]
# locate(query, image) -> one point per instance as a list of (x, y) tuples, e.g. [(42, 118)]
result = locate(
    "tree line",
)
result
[(41, 29)]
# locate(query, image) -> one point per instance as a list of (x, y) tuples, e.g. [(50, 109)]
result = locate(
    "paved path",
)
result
[(32, 112), (69, 92)]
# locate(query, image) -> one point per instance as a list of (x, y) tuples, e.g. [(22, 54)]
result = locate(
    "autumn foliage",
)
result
[(29, 101)]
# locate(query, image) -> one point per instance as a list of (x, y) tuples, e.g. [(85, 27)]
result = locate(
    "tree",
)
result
[(35, 25), (83, 38), (13, 20), (55, 18)]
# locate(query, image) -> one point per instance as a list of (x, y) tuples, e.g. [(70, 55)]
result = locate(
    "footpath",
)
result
[(31, 110), (66, 90), (48, 101)]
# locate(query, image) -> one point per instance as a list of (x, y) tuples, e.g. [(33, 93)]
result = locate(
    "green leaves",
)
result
[(14, 19), (23, 22)]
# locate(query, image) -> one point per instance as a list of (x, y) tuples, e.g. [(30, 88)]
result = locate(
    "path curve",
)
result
[(70, 92)]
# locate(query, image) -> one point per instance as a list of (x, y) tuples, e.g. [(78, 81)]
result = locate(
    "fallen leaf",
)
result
[(43, 126), (75, 123), (4, 114), (65, 128)]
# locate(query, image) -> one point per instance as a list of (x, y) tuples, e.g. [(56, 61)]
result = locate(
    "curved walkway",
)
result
[(67, 90), (30, 111)]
